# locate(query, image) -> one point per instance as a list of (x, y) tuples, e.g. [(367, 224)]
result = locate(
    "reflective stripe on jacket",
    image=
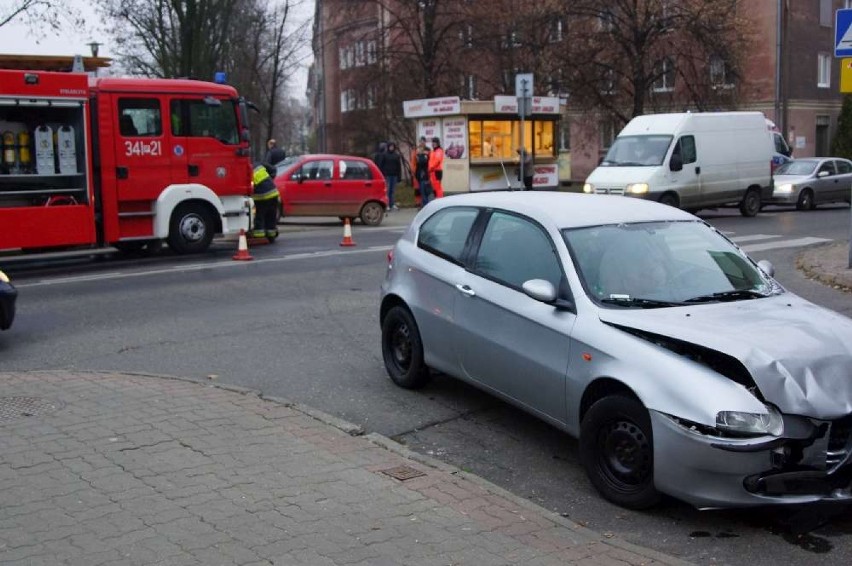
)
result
[(264, 186)]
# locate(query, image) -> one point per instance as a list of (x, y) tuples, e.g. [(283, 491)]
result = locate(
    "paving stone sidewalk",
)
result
[(99, 468), (828, 264)]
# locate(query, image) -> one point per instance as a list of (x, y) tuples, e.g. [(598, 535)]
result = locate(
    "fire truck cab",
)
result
[(121, 162)]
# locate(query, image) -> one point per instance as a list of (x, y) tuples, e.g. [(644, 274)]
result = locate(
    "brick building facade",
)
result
[(801, 95)]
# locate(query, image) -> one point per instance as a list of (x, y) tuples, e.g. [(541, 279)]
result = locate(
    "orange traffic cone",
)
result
[(347, 234), (242, 248)]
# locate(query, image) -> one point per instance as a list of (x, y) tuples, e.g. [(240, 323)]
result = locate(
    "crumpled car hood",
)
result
[(799, 354)]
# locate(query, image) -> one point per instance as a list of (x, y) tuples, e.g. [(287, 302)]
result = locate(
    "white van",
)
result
[(691, 161)]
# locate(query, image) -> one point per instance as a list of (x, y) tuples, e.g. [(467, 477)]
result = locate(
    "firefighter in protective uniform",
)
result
[(266, 203)]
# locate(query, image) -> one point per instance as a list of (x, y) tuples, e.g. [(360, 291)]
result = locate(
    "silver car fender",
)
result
[(662, 380)]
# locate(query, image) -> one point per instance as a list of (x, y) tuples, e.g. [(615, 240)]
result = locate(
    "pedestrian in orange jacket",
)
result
[(436, 167)]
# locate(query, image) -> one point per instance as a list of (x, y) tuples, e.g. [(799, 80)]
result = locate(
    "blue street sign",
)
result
[(843, 33)]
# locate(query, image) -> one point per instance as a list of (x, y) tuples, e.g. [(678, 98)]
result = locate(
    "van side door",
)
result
[(686, 181)]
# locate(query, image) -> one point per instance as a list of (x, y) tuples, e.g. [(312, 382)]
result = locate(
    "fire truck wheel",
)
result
[(191, 229)]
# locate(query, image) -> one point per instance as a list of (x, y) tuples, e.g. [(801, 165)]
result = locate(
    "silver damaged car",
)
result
[(681, 365)]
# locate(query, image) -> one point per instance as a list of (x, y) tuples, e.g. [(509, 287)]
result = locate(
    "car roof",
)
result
[(333, 156), (570, 210)]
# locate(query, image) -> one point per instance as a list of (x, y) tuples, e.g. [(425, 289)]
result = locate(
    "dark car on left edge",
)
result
[(8, 294)]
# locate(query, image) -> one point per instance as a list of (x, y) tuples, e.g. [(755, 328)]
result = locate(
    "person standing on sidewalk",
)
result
[(420, 173), (528, 168), (391, 167), (436, 167)]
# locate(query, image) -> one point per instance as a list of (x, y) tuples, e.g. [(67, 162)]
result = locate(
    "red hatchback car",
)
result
[(332, 185)]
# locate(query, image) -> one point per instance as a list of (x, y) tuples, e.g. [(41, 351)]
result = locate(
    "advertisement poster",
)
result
[(454, 140), (429, 129), (546, 175), (446, 106)]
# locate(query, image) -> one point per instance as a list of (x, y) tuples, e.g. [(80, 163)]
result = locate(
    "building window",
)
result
[(608, 82), (360, 54), (824, 70), (469, 87), (608, 133), (466, 36), (556, 30), (606, 21), (565, 137), (347, 58), (719, 73), (665, 71), (825, 13), (512, 39), (348, 100), (370, 99), (372, 56)]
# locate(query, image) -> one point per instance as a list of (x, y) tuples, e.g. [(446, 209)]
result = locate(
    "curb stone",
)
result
[(395, 447)]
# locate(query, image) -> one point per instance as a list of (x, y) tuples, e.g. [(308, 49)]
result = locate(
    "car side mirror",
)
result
[(245, 135), (766, 266), (676, 163), (544, 291), (822, 174)]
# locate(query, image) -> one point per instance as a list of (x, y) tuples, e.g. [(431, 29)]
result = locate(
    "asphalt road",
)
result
[(301, 322)]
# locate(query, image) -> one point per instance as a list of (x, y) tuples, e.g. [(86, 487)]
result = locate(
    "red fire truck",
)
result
[(123, 162)]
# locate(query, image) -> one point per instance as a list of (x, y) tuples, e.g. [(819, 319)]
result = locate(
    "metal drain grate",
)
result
[(19, 407), (403, 473)]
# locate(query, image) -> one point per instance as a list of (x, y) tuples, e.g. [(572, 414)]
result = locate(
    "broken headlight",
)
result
[(738, 423)]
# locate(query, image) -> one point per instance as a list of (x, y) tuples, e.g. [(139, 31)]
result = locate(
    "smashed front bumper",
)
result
[(707, 471)]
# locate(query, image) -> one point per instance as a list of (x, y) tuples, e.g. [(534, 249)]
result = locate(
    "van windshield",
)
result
[(637, 151)]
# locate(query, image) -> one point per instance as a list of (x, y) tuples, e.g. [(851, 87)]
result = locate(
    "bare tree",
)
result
[(626, 54), (36, 14), (255, 42)]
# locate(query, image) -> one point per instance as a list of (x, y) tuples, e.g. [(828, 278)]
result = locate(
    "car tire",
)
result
[(805, 200), (190, 229), (750, 204), (670, 199), (372, 213), (616, 448), (402, 349)]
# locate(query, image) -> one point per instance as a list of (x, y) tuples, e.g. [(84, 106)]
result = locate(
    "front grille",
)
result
[(838, 442), (609, 190)]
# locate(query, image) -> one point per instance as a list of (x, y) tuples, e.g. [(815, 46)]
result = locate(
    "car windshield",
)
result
[(797, 168), (637, 151), (657, 264)]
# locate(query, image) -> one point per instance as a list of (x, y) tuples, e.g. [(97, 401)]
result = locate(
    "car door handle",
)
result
[(193, 170), (466, 290), (121, 172), (698, 170), (327, 184)]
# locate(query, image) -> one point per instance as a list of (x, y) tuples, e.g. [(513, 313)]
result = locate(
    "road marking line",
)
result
[(797, 243), (198, 267), (753, 237)]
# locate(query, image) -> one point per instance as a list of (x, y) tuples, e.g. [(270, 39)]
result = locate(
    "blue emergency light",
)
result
[(219, 77)]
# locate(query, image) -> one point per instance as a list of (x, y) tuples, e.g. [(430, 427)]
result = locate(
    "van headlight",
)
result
[(784, 188), (588, 188), (637, 188), (739, 423), (3, 278)]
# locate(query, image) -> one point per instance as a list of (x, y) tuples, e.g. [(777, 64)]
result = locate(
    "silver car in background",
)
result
[(682, 366), (809, 182)]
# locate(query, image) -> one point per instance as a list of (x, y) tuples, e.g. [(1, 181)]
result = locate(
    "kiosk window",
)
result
[(139, 117), (500, 139)]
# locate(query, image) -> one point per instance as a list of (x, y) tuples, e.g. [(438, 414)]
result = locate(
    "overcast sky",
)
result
[(15, 38)]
